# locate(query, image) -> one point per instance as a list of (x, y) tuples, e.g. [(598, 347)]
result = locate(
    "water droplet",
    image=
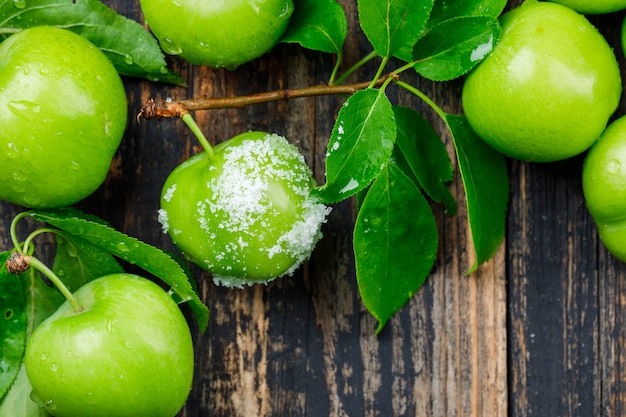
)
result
[(613, 166), (43, 357), (54, 367), (74, 166), (122, 247), (170, 47), (129, 60), (24, 109), (110, 326), (20, 4)]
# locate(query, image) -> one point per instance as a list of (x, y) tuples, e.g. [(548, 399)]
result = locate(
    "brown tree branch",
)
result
[(167, 109)]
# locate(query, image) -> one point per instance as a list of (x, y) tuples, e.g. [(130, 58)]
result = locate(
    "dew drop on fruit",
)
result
[(170, 47), (54, 367), (24, 109), (613, 166)]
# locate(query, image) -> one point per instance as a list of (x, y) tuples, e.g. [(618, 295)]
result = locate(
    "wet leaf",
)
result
[(131, 48), (320, 25), (455, 46), (395, 243), (360, 145), (134, 251), (425, 154), (485, 178), (13, 326), (393, 25)]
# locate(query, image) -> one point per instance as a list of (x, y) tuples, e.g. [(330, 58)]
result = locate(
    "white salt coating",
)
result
[(164, 220), (241, 192)]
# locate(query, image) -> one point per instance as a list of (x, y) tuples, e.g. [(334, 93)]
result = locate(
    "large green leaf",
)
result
[(455, 46), (425, 154), (13, 326), (395, 243), (393, 25), (485, 178), (361, 142), (131, 48), (320, 25), (136, 252), (448, 9)]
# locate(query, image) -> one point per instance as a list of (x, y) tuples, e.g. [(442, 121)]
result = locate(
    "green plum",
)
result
[(548, 88), (604, 186), (594, 6), (246, 213), (217, 33), (63, 111), (128, 353)]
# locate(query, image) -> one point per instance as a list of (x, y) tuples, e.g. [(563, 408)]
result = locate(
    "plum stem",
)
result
[(19, 262), (191, 123)]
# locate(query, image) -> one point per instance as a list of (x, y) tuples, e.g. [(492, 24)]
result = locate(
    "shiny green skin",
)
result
[(604, 186), (233, 236), (547, 90), (63, 112), (129, 353), (594, 6), (218, 33)]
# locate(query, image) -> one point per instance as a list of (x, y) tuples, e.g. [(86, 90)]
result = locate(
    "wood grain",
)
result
[(537, 331)]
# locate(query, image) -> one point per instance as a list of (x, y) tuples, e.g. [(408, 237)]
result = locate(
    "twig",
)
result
[(166, 108)]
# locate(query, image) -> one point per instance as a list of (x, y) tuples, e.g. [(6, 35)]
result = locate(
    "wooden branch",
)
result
[(158, 109)]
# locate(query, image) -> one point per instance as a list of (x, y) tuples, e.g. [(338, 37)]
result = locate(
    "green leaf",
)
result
[(17, 402), (453, 47), (393, 25), (485, 178), (361, 143), (77, 261), (395, 243), (448, 9), (13, 326), (319, 25), (136, 252), (425, 154), (131, 48)]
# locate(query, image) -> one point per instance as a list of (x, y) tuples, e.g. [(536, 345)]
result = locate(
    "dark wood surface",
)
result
[(537, 331)]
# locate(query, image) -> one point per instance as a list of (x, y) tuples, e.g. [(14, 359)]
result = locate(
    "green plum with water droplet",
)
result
[(245, 213), (63, 112), (127, 353), (218, 33), (604, 186)]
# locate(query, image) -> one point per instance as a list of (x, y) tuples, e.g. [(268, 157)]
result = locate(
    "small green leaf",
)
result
[(395, 243), (131, 48), (426, 155), (320, 25), (361, 142), (13, 326), (17, 402), (485, 178), (77, 261), (136, 252), (393, 25), (453, 47), (448, 9)]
